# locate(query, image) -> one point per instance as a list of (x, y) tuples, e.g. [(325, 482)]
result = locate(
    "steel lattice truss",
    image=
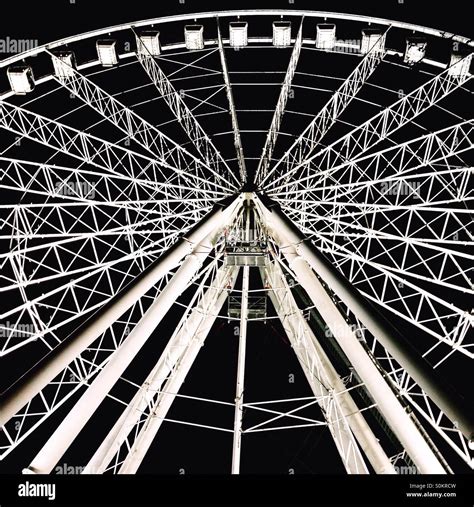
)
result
[(116, 209)]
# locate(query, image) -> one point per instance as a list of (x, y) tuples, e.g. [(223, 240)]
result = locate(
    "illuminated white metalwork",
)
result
[(159, 390), (395, 222), (240, 387), (442, 34), (167, 151), (342, 414), (411, 438), (325, 36), (233, 114), (82, 411), (95, 327), (328, 115), (378, 127), (280, 107), (204, 145)]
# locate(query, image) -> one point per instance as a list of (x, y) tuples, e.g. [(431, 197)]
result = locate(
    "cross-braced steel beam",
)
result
[(308, 141), (304, 255), (61, 357), (376, 129), (202, 142), (342, 414), (114, 159), (166, 151)]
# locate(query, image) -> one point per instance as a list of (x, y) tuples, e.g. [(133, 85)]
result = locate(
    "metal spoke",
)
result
[(273, 132), (233, 114), (380, 126)]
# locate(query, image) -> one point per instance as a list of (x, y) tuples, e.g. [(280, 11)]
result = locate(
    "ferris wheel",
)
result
[(302, 169)]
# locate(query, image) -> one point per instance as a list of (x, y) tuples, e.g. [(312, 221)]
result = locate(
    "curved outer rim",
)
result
[(233, 13), (208, 43)]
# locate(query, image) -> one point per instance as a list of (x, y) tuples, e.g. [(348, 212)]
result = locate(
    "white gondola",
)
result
[(372, 37), (64, 63), (194, 36), (107, 52), (415, 50), (459, 65), (21, 79), (148, 43)]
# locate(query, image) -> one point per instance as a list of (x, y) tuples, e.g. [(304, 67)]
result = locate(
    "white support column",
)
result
[(174, 365), (34, 381), (400, 422), (194, 327), (346, 420), (455, 407), (80, 414), (239, 389)]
